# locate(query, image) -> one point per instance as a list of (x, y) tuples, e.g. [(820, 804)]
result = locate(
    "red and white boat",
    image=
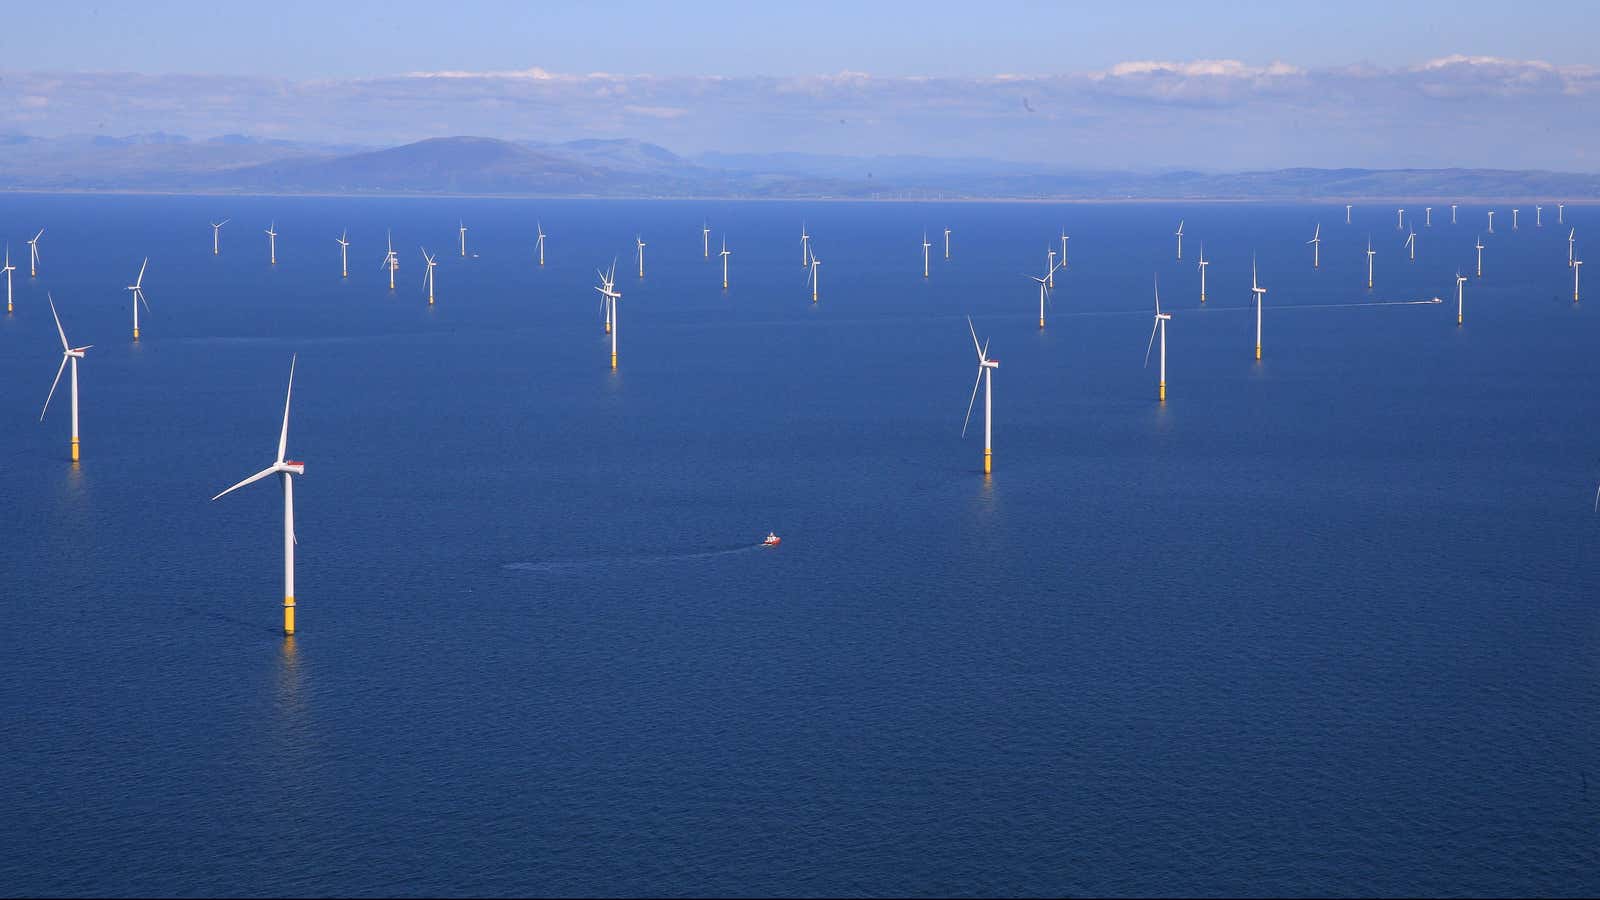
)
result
[(772, 540)]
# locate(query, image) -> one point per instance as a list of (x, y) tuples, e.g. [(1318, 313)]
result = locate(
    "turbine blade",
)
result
[(975, 345), (140, 279), (53, 315), (253, 478), (968, 419), (1151, 344), (283, 436), (53, 384)]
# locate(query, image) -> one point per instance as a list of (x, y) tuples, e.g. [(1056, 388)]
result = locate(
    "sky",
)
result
[(1092, 85)]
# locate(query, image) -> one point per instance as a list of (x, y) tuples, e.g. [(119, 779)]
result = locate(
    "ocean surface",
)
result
[(1320, 624)]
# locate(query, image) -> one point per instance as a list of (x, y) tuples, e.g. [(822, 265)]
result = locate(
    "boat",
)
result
[(772, 540)]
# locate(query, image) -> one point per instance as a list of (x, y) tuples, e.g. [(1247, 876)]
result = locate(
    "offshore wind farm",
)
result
[(1299, 600)]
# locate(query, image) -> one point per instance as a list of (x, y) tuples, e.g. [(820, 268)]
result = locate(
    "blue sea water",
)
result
[(1320, 624)]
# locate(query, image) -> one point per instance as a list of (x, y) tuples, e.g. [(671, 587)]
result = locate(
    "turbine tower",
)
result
[(427, 276), (1044, 293), (1461, 281), (8, 269), (1480, 256), (1316, 247), (947, 242), (138, 297), (272, 243), (1370, 254), (1050, 265), (1514, 212), (639, 242), (1538, 216), (69, 354), (1260, 294), (1202, 267), (1180, 238), (463, 230), (1427, 220), (1577, 265), (344, 254), (1491, 221), (705, 238), (1561, 214), (1347, 214), (1452, 214), (1400, 219), (805, 245), (812, 276), (1160, 325), (391, 261), (1411, 245), (540, 228), (986, 367), (215, 240), (286, 468), (725, 254), (1571, 236), (925, 246), (609, 296), (1064, 238)]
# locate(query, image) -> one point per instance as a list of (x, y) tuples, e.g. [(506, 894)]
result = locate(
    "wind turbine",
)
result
[(540, 228), (391, 261), (1411, 244), (606, 283), (1202, 267), (1561, 214), (8, 269), (1571, 236), (925, 246), (1370, 254), (1161, 325), (1480, 256), (725, 254), (1316, 247), (805, 245), (1347, 214), (986, 367), (272, 243), (33, 255), (286, 468), (427, 276), (1260, 294), (705, 237), (138, 297), (1180, 238), (1491, 221), (1452, 214), (463, 230), (1577, 264), (344, 254), (1461, 280), (812, 276), (1427, 221), (1400, 218), (1050, 265), (68, 354), (215, 240), (640, 242), (1538, 216), (947, 242), (1064, 238), (1044, 292), (609, 295), (1514, 212)]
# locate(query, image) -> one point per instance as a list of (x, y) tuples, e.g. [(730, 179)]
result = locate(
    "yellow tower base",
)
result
[(1458, 318), (608, 328), (288, 615), (74, 449), (987, 460), (1161, 391), (8, 306), (1258, 351), (1202, 298), (613, 361), (136, 334), (1041, 323)]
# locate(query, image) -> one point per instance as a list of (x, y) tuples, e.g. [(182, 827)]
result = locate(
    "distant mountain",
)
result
[(630, 168)]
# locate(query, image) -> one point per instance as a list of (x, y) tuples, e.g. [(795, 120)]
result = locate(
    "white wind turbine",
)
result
[(1427, 220), (1064, 238), (286, 468), (1161, 325), (1400, 219), (986, 367), (812, 276), (1514, 212), (639, 242), (390, 261), (138, 297), (1577, 265), (1316, 247), (925, 246), (1452, 213), (1491, 221), (1347, 214), (1480, 256), (805, 245), (1044, 291), (8, 269), (1260, 295), (33, 255), (1180, 238), (1411, 244), (344, 254), (1561, 214), (1538, 216), (1050, 265), (705, 238), (609, 296), (1571, 236), (463, 230), (1370, 254), (427, 276), (725, 254), (272, 243), (947, 242), (1461, 281), (68, 354), (607, 288), (540, 228), (216, 227), (1202, 267)]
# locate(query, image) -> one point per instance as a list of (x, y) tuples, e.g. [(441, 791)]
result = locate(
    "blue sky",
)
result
[(1166, 84)]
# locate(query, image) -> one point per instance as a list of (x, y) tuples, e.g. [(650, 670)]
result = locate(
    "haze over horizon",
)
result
[(1068, 86)]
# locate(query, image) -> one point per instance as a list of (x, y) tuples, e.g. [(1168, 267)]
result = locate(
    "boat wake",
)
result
[(590, 563)]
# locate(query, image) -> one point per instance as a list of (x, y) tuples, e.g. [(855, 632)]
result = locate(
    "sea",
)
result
[(1319, 624)]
